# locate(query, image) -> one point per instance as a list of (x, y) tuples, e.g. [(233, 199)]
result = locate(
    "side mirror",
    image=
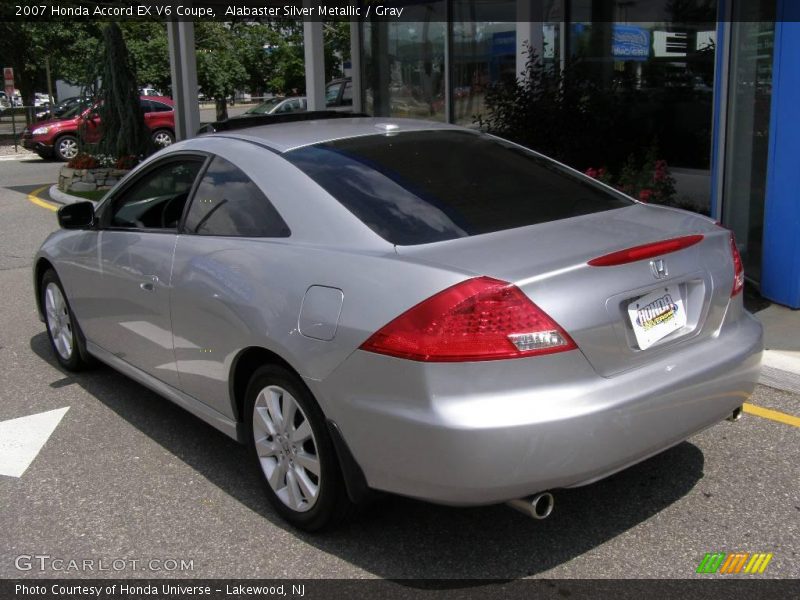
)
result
[(76, 216)]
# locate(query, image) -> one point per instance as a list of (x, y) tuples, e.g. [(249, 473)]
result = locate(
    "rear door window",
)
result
[(427, 186), (347, 94), (332, 94), (160, 106), (228, 203)]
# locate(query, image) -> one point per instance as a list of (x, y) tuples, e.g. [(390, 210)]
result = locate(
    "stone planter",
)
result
[(86, 180)]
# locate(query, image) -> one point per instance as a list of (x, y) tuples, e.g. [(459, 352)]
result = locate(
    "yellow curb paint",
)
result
[(33, 197), (773, 415)]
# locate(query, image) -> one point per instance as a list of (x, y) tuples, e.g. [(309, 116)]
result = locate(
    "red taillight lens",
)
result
[(478, 319), (738, 268), (644, 251)]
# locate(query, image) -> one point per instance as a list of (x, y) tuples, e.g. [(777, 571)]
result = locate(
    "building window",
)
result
[(404, 63)]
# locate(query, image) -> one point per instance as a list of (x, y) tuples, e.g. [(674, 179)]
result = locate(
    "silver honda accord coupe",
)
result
[(403, 306)]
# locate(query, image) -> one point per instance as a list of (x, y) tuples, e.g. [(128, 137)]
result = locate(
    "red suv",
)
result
[(59, 137)]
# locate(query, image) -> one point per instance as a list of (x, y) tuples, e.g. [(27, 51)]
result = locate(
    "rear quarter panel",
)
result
[(229, 293)]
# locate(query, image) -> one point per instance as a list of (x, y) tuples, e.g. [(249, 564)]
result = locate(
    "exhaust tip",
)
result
[(537, 507), (735, 415)]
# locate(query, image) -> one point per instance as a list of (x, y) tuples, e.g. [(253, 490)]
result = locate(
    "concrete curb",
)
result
[(780, 367), (64, 198)]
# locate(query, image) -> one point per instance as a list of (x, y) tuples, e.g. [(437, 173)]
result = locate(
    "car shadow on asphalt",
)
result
[(403, 539)]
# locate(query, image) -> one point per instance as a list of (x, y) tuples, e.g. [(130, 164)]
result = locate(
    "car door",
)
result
[(219, 257), (136, 242), (161, 117), (90, 126)]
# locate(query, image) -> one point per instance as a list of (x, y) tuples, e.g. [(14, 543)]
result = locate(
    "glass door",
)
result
[(747, 134)]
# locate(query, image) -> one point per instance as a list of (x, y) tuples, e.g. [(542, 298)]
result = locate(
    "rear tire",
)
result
[(63, 331), (288, 441), (163, 138)]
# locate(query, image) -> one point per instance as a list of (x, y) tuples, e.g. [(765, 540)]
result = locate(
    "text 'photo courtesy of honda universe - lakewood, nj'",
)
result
[(404, 306)]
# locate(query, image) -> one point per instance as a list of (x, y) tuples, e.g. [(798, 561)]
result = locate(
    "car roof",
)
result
[(283, 137), (164, 99)]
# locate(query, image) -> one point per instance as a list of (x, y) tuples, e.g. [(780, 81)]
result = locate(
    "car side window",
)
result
[(146, 105), (228, 203), (332, 94), (160, 106), (156, 200), (347, 94)]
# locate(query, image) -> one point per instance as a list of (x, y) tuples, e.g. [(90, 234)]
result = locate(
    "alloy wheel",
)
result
[(162, 139), (68, 148), (58, 320), (286, 447)]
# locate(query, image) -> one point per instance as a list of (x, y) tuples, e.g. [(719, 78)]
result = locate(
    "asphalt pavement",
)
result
[(128, 476)]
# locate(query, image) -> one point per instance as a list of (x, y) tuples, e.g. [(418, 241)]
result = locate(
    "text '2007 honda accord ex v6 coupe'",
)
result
[(404, 306)]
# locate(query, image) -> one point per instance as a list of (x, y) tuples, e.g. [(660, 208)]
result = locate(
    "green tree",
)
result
[(147, 44), (336, 36), (125, 133), (220, 71), (26, 46)]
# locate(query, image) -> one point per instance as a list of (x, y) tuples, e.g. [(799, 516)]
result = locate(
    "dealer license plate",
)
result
[(656, 315)]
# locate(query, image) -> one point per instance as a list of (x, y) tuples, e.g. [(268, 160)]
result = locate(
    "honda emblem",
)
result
[(659, 268)]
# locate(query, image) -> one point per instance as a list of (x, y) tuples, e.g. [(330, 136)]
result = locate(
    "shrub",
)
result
[(83, 161), (647, 179)]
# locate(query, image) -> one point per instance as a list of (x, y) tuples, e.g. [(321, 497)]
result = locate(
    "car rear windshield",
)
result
[(428, 186)]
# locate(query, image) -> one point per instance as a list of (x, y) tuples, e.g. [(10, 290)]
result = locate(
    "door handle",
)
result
[(149, 286)]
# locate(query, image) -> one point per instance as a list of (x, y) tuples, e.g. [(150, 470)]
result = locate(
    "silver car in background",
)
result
[(404, 306)]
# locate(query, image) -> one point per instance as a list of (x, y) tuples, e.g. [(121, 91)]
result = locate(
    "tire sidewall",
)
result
[(331, 489), (57, 143), (75, 362), (159, 131)]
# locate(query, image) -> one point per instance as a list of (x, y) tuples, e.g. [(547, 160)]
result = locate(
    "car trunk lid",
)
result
[(549, 262)]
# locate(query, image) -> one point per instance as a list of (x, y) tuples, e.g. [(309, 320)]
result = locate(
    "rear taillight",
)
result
[(478, 319), (738, 268)]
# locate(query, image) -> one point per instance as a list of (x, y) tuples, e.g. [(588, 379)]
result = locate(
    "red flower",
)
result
[(645, 195), (592, 172), (83, 161)]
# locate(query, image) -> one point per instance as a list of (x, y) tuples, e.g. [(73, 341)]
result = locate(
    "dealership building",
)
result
[(717, 84)]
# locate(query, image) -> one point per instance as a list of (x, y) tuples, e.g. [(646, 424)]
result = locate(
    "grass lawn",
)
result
[(91, 195)]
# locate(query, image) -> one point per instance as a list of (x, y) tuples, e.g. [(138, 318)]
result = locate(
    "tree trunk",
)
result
[(222, 109)]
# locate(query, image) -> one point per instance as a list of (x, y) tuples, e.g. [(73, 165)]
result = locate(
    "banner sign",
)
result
[(8, 81), (630, 43)]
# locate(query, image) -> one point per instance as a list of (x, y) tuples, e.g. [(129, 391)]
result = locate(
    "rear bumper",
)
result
[(481, 433)]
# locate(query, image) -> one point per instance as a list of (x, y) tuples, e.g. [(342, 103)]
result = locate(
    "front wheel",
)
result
[(62, 328), (288, 440), (66, 147)]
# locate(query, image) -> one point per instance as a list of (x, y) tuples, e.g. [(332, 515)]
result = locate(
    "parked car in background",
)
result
[(59, 109), (339, 94), (58, 138), (41, 99), (276, 105), (407, 306)]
